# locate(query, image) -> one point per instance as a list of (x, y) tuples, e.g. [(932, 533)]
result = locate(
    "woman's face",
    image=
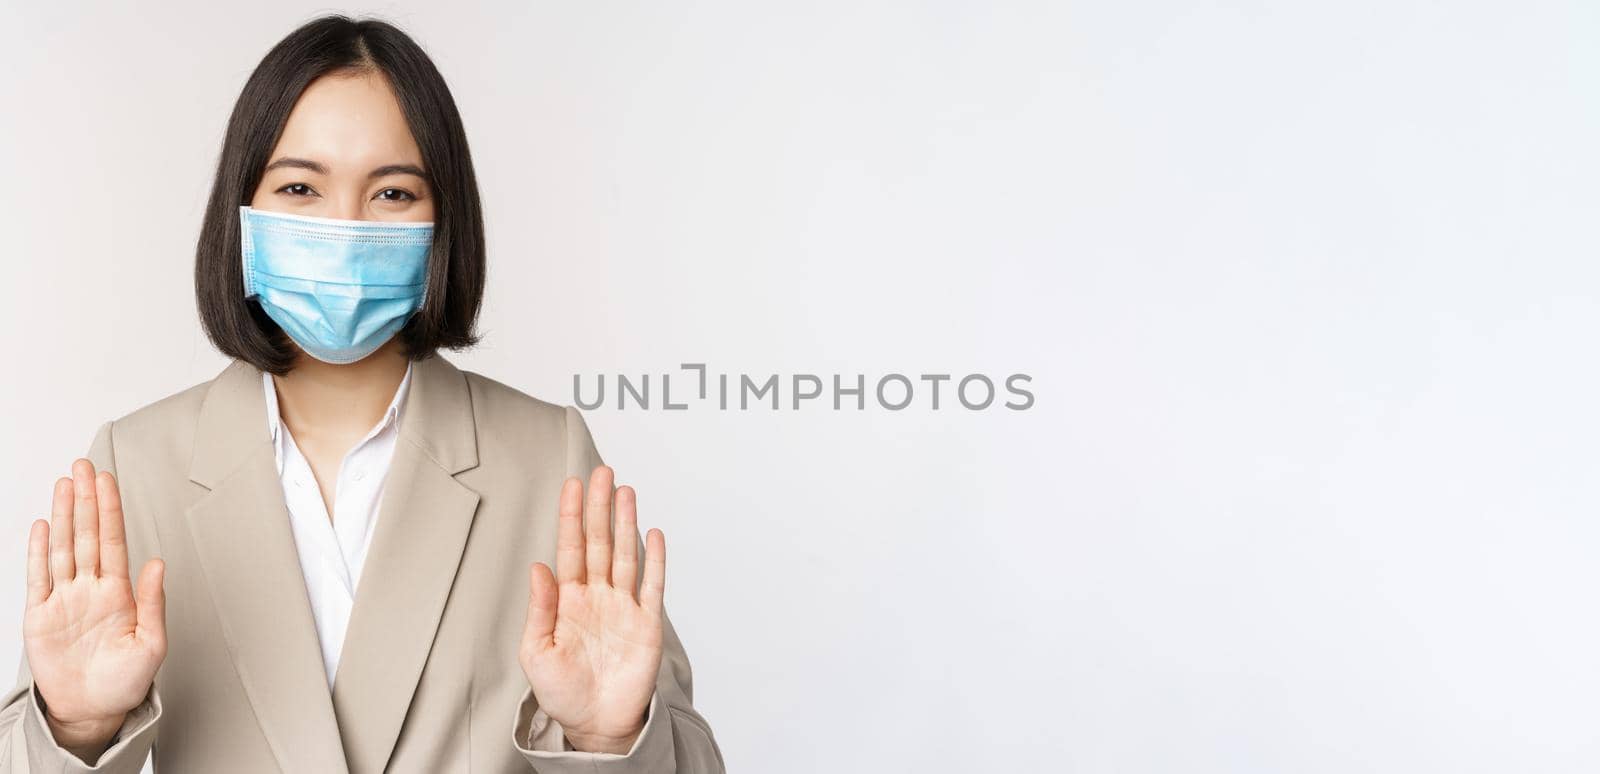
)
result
[(346, 152)]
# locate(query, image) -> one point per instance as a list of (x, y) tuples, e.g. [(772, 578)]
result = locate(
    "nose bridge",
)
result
[(347, 205)]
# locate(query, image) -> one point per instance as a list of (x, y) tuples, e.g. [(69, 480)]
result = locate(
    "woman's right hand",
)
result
[(92, 647)]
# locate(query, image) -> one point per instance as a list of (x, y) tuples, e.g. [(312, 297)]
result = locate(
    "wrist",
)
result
[(606, 743), (617, 744), (86, 738)]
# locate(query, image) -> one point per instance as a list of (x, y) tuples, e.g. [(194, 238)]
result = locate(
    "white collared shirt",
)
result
[(332, 551)]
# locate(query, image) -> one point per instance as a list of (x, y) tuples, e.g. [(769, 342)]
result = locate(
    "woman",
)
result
[(353, 556)]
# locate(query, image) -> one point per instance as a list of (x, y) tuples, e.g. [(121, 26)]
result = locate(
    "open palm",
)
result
[(92, 647), (591, 649)]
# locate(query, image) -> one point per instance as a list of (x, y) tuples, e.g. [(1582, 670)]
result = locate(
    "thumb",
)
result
[(542, 598), (150, 600)]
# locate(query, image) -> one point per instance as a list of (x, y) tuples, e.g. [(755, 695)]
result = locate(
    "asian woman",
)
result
[(343, 553)]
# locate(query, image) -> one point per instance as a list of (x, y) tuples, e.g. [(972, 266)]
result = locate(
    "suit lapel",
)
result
[(246, 549), (422, 529)]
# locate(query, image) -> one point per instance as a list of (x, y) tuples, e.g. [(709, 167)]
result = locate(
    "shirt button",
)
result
[(360, 474)]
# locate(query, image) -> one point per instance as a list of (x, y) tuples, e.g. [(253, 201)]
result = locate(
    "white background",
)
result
[(1308, 293)]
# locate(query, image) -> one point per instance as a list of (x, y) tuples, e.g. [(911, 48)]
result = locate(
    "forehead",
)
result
[(350, 122)]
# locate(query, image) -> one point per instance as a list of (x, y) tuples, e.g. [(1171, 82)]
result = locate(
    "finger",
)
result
[(539, 633), (85, 519), (569, 534), (150, 611), (655, 571), (38, 562), (625, 560), (61, 565), (597, 525), (113, 538)]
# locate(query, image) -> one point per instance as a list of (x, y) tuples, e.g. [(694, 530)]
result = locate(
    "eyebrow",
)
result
[(383, 171), (397, 169)]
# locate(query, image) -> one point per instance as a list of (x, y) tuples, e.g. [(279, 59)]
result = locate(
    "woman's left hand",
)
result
[(591, 650)]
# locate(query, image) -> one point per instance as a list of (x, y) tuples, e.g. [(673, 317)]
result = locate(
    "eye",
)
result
[(297, 189), (396, 195)]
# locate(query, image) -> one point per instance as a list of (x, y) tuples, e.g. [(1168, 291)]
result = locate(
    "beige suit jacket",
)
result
[(429, 679)]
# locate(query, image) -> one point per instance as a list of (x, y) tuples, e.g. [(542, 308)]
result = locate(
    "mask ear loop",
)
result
[(427, 274), (247, 249)]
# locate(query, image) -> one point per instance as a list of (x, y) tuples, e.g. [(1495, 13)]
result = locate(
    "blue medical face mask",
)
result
[(339, 288)]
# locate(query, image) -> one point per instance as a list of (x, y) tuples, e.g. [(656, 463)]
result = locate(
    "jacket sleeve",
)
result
[(676, 739), (26, 743)]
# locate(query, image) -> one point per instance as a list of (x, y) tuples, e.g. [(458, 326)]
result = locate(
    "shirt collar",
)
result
[(390, 415)]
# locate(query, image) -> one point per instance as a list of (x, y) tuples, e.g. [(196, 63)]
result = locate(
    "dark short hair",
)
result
[(239, 327)]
